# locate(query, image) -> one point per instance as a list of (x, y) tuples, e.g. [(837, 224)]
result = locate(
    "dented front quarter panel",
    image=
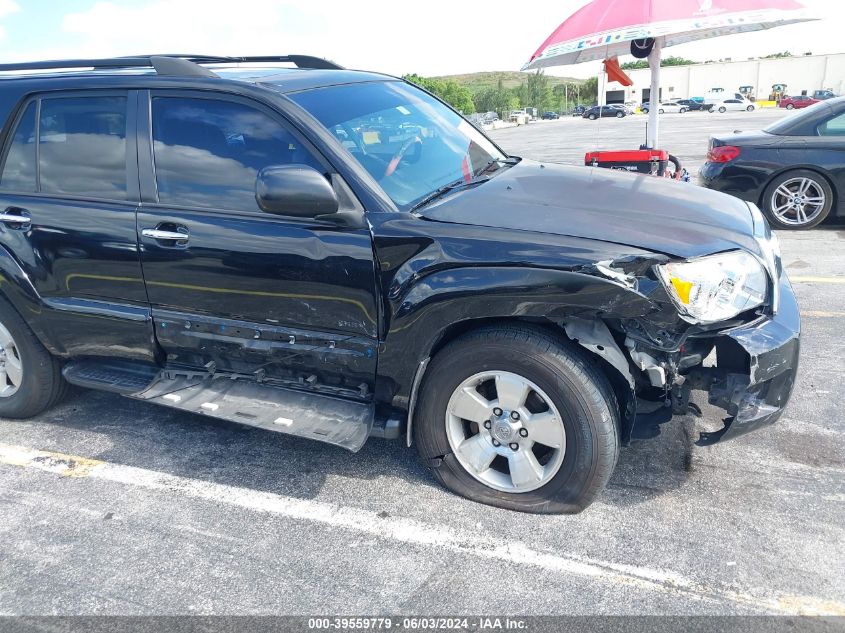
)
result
[(436, 275)]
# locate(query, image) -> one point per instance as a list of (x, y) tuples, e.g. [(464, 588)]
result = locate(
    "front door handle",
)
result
[(179, 235), (16, 216)]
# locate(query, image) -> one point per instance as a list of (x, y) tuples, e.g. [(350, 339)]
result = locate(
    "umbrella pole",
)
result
[(654, 97)]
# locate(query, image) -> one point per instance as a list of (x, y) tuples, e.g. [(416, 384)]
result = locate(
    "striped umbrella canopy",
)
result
[(607, 28)]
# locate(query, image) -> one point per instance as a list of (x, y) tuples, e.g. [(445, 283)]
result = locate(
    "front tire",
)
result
[(516, 418), (749, 109), (790, 107), (798, 200), (592, 117), (722, 110), (30, 378)]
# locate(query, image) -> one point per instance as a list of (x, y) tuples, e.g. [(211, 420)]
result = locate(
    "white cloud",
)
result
[(431, 38), (7, 7), (438, 37)]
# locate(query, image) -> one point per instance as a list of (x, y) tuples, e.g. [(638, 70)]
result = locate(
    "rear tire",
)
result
[(30, 378), (817, 194), (481, 371)]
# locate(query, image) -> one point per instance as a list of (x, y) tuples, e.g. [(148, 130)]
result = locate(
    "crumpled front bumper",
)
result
[(768, 350)]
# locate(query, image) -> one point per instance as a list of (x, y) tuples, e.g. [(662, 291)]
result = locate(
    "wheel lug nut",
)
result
[(514, 447), (515, 415), (496, 443), (497, 411), (488, 424), (523, 432)]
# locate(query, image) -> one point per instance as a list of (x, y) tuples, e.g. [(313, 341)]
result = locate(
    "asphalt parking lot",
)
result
[(684, 135), (110, 506)]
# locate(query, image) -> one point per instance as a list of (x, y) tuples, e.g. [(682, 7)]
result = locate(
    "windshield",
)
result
[(412, 144)]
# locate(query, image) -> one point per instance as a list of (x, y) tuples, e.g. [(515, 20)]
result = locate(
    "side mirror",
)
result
[(295, 190)]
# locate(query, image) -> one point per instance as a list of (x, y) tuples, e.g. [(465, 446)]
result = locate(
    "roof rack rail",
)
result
[(172, 65), (164, 65), (300, 61)]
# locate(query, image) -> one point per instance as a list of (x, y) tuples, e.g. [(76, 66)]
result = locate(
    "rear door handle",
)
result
[(17, 216), (179, 235)]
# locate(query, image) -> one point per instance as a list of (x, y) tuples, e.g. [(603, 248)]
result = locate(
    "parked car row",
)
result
[(692, 105)]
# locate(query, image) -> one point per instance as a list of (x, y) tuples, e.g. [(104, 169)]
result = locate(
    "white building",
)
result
[(806, 73)]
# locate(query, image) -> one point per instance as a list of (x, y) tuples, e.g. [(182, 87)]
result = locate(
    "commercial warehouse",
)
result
[(800, 74)]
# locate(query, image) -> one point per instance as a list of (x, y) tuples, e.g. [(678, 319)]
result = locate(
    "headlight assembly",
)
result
[(715, 288)]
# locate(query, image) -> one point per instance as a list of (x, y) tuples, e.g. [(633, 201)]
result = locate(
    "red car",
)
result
[(801, 101)]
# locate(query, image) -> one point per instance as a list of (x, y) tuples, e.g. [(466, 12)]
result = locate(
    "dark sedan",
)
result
[(604, 111), (691, 104), (794, 169)]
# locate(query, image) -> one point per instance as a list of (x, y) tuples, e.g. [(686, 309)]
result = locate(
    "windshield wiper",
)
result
[(452, 186), (510, 161), (480, 177)]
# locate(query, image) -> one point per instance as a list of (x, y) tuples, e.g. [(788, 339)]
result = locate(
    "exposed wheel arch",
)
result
[(619, 382)]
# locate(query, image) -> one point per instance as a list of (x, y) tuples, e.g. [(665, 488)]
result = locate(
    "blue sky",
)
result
[(431, 38)]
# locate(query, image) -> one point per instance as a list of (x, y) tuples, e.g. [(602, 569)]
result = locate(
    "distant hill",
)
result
[(477, 82)]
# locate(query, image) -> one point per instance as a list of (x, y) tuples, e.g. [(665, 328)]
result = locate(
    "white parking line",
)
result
[(404, 530)]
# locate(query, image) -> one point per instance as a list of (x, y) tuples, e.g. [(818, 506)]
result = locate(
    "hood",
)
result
[(656, 214)]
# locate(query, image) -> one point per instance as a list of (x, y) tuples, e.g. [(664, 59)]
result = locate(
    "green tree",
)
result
[(590, 91), (450, 91), (672, 60), (496, 99), (566, 96), (536, 92)]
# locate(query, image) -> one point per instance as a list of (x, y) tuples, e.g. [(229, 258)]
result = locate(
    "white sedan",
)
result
[(733, 105), (667, 107)]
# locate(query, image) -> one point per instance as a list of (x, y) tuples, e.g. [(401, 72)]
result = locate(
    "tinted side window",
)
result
[(208, 153), (833, 127), (82, 146), (19, 168)]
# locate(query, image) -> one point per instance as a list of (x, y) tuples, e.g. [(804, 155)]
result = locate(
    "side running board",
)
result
[(115, 376), (343, 423)]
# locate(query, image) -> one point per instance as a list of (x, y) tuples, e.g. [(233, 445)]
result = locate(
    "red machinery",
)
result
[(640, 161)]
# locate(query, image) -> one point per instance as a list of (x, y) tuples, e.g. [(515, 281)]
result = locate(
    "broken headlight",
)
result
[(717, 287)]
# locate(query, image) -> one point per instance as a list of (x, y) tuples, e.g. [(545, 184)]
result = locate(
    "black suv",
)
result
[(338, 255)]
